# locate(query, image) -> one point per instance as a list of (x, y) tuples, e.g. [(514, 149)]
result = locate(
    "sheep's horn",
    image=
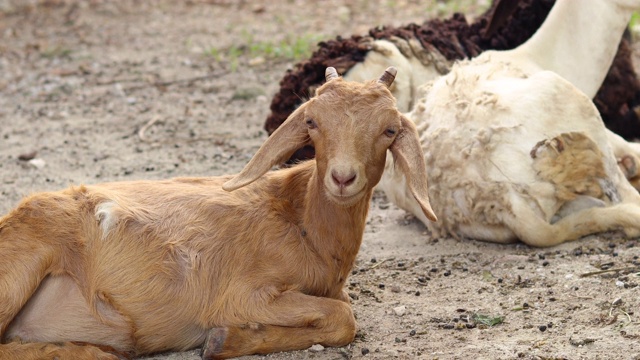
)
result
[(388, 76), (331, 73)]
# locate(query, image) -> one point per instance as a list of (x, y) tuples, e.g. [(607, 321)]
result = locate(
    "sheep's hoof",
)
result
[(631, 233), (214, 343), (629, 167)]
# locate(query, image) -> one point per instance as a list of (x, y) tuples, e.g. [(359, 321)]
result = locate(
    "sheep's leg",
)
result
[(291, 322), (533, 230), (628, 156)]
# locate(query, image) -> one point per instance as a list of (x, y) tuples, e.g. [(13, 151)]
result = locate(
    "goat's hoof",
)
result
[(214, 343)]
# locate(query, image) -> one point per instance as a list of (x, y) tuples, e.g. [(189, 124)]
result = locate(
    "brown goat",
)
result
[(148, 266)]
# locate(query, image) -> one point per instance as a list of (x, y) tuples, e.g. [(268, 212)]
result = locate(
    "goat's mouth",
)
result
[(346, 199)]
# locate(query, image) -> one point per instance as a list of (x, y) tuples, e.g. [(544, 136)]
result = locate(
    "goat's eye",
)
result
[(311, 124), (390, 132)]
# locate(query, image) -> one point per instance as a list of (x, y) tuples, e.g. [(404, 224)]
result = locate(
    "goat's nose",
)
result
[(343, 180)]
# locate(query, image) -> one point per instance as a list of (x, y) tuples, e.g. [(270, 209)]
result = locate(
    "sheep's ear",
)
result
[(407, 154), (278, 148)]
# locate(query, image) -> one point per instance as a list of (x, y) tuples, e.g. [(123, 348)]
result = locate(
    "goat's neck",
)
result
[(337, 228), (329, 234), (579, 39), (334, 232)]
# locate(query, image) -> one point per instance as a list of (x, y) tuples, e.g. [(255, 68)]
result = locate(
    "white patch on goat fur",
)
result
[(106, 217)]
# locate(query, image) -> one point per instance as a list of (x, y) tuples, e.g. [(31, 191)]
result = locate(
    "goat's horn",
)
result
[(388, 76), (331, 73)]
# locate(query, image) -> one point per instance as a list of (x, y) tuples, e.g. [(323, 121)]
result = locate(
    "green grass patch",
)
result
[(56, 52), (487, 320), (291, 48)]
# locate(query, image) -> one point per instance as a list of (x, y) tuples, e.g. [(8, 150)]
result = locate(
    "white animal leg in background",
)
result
[(578, 41), (532, 230)]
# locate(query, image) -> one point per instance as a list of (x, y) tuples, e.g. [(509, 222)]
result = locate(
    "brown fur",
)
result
[(164, 265), (573, 163)]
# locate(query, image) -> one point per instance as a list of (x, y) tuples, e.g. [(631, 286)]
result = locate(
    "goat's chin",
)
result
[(346, 200)]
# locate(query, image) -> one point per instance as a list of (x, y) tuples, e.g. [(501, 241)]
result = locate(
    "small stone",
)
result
[(27, 156), (258, 60), (542, 328), (619, 283), (617, 302), (400, 310), (316, 348), (412, 333), (37, 163), (364, 351)]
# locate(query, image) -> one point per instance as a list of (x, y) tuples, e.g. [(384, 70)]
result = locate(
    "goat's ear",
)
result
[(278, 148), (409, 157)]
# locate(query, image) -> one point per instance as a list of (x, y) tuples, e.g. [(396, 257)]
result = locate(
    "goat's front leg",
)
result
[(293, 321)]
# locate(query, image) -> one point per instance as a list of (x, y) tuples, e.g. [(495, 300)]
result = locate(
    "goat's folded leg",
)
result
[(293, 321), (62, 351)]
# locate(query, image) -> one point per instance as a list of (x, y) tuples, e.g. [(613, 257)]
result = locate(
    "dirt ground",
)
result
[(99, 91)]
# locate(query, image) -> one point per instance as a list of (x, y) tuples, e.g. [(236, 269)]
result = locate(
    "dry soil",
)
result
[(99, 91)]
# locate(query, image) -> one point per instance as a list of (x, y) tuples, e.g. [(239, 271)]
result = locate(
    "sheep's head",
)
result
[(351, 125)]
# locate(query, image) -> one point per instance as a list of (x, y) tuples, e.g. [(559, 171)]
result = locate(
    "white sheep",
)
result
[(582, 58), (518, 152), (148, 266)]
